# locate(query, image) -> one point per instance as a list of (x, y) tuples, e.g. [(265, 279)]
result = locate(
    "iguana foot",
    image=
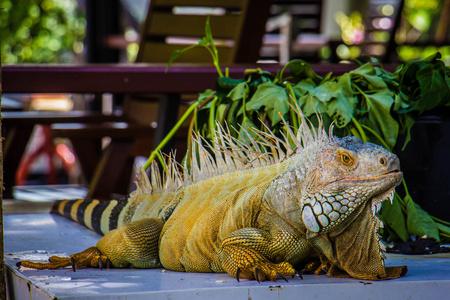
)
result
[(89, 258), (132, 245), (266, 271), (244, 262)]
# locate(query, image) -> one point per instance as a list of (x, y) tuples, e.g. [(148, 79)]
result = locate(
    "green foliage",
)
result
[(206, 42), (369, 102), (44, 31)]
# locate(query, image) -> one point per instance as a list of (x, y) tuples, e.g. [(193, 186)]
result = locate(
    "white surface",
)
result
[(428, 276), (45, 193)]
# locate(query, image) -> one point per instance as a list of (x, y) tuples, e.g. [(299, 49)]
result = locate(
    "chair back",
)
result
[(237, 27)]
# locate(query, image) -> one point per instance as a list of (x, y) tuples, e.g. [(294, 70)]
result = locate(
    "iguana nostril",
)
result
[(382, 160), (392, 164)]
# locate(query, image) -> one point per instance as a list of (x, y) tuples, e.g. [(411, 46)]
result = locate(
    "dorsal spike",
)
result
[(226, 153)]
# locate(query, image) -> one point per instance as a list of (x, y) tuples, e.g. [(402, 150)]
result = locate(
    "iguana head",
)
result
[(347, 174)]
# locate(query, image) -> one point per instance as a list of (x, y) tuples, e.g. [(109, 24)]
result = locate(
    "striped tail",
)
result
[(97, 215)]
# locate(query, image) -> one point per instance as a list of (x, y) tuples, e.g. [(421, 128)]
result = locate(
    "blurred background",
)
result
[(67, 31)]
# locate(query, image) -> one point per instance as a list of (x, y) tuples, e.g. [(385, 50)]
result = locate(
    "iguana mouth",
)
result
[(396, 172), (386, 194)]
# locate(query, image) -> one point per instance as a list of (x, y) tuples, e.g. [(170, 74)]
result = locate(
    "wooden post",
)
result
[(2, 250)]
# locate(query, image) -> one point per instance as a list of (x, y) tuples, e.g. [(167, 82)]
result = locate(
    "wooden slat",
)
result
[(113, 130), (160, 52), (204, 3), (38, 117), (167, 24), (136, 78)]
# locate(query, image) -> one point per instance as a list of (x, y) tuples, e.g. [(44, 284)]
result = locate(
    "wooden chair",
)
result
[(385, 51), (294, 31), (238, 27)]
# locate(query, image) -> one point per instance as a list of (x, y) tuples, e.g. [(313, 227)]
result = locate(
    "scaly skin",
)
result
[(314, 210)]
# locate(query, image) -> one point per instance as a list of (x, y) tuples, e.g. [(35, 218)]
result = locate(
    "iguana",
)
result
[(251, 209)]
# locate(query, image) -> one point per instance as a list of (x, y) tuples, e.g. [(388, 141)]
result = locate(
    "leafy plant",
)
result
[(369, 102), (40, 30)]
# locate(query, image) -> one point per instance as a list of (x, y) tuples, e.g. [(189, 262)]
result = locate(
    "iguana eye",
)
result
[(345, 158)]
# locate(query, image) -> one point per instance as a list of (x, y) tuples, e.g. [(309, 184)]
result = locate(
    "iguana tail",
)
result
[(97, 215)]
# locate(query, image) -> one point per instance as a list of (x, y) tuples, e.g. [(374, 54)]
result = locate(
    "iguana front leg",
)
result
[(134, 244), (258, 254)]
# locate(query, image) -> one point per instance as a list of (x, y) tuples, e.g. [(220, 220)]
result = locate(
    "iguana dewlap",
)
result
[(251, 212)]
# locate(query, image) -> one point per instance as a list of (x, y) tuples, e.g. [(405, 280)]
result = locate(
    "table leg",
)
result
[(16, 140)]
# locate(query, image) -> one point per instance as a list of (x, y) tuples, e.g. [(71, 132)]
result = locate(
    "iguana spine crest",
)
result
[(230, 154)]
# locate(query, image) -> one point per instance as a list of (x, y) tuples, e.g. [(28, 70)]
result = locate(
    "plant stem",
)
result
[(287, 65), (355, 132), (401, 203), (440, 221), (244, 99), (212, 117), (360, 130), (405, 187), (155, 152), (292, 100), (379, 138), (215, 61), (161, 160)]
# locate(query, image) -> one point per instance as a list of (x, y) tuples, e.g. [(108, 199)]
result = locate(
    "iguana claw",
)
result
[(282, 277), (300, 273), (100, 263), (74, 267), (256, 274)]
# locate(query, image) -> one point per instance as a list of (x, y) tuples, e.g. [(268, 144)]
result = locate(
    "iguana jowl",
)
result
[(251, 212)]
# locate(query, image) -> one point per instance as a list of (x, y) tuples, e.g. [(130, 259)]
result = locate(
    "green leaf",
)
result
[(444, 232), (246, 125), (341, 109), (273, 98), (303, 88), (221, 112), (300, 70), (433, 87), (238, 92), (337, 98), (232, 119), (224, 85), (177, 53), (345, 83), (280, 108), (173, 57), (394, 219), (379, 116), (325, 92), (419, 221), (205, 94), (310, 106), (367, 73), (433, 58), (406, 123)]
